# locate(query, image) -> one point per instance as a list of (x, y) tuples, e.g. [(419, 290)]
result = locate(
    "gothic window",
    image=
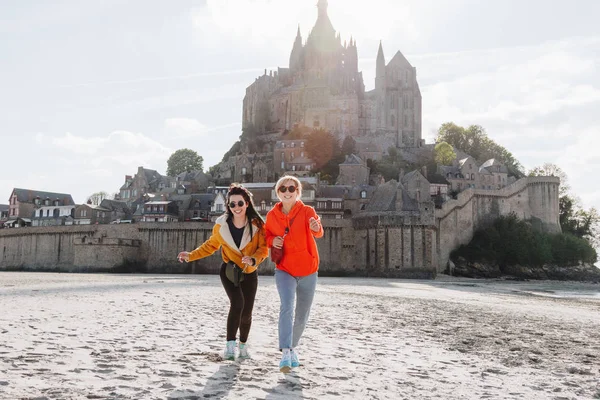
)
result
[(392, 102), (301, 154), (244, 170), (293, 167), (293, 155), (393, 118), (282, 155), (283, 165)]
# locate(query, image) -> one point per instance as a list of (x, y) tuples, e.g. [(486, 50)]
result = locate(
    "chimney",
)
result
[(424, 171)]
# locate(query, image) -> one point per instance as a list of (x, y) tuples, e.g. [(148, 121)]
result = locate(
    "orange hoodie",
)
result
[(254, 246), (300, 253)]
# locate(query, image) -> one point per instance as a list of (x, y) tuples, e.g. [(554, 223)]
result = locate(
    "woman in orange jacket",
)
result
[(240, 234), (293, 226)]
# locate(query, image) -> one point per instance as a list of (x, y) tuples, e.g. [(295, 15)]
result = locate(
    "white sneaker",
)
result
[(285, 365), (243, 348), (229, 353), (294, 358)]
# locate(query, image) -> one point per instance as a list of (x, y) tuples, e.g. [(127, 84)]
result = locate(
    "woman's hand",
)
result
[(315, 225), (247, 260), (278, 242), (183, 256)]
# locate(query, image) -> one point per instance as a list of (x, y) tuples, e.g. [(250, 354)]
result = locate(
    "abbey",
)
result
[(323, 88)]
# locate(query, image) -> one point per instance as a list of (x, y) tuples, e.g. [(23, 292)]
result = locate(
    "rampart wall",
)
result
[(392, 244)]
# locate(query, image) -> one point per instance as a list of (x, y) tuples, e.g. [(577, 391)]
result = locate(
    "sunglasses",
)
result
[(290, 188), (239, 204)]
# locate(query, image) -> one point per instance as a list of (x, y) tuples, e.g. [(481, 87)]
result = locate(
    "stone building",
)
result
[(23, 202), (289, 156), (465, 174), (145, 181), (53, 216), (353, 171), (323, 88), (90, 214)]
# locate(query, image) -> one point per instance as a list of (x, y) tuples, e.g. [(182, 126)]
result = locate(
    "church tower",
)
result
[(296, 55), (380, 89)]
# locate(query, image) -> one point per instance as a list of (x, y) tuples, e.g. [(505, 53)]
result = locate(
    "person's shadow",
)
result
[(221, 382), (217, 386), (289, 386)]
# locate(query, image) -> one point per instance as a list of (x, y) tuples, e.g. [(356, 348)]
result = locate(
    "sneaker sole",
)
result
[(285, 369)]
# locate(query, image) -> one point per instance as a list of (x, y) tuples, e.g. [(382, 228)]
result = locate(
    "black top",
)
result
[(236, 232)]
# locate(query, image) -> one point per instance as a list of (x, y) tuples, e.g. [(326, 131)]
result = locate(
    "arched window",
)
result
[(363, 194)]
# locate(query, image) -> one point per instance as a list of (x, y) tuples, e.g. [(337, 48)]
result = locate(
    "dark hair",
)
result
[(251, 213)]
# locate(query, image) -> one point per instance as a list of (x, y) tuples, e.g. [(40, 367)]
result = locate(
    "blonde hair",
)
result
[(286, 178)]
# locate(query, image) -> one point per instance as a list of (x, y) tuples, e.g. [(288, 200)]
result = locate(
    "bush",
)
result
[(510, 241)]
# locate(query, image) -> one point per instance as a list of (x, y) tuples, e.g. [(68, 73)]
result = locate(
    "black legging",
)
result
[(241, 301)]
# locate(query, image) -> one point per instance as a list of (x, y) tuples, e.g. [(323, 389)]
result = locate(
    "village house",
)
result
[(3, 212), (465, 174), (160, 211), (90, 214), (289, 156), (53, 216), (23, 202), (145, 181), (118, 210), (353, 171)]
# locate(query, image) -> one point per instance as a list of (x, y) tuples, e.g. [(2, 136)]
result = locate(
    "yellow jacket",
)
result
[(255, 246)]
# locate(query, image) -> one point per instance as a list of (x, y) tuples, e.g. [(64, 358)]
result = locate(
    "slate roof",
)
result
[(492, 162), (115, 205), (28, 195), (384, 198), (352, 159)]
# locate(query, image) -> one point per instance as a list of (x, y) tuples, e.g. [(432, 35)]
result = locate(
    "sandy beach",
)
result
[(73, 336)]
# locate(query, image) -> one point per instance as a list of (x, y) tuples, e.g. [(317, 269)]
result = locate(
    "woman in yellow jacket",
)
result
[(240, 234)]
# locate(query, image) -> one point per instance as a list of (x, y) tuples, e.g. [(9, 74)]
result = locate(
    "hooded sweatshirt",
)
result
[(254, 246), (300, 253)]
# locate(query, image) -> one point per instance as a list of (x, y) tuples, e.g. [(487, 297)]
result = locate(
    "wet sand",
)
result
[(73, 336)]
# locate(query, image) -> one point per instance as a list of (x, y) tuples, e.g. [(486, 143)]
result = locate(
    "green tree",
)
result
[(444, 154), (184, 160), (348, 146), (475, 142)]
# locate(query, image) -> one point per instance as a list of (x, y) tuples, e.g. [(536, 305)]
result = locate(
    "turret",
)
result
[(296, 55), (380, 69)]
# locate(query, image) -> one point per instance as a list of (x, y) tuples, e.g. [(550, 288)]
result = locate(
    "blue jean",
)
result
[(290, 288)]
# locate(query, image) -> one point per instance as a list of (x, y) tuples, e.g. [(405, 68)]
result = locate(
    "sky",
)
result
[(90, 91)]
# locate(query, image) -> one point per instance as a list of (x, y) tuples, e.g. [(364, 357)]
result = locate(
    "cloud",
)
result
[(537, 101), (179, 128), (82, 165)]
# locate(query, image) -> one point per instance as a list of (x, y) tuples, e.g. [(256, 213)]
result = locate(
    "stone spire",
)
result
[(380, 68), (322, 6), (296, 54)]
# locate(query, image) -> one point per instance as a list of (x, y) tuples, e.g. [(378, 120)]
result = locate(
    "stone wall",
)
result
[(532, 198), (392, 244)]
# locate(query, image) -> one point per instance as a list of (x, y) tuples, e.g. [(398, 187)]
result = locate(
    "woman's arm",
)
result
[(262, 251), (207, 248), (269, 235), (311, 213)]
